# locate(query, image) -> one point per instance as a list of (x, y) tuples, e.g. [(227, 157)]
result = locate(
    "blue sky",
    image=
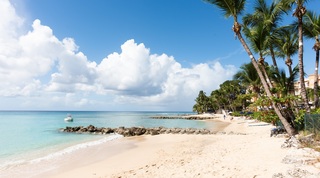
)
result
[(116, 54), (184, 29)]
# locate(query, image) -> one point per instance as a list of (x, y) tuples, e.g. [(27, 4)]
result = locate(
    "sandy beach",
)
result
[(242, 148)]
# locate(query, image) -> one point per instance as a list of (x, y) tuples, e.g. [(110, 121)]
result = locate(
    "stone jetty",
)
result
[(188, 117), (136, 131)]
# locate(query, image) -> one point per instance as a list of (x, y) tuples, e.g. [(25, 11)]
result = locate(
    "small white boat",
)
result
[(68, 118)]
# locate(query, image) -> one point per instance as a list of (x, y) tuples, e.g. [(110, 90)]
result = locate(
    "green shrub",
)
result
[(268, 116)]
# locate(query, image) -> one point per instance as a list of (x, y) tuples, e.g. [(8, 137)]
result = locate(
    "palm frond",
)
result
[(230, 8), (311, 24)]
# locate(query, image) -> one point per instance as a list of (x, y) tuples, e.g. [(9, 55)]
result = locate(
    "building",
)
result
[(309, 83)]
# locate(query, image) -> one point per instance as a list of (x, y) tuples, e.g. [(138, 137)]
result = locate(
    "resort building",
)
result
[(309, 82)]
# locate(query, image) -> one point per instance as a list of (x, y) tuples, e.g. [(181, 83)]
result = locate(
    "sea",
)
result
[(34, 136)]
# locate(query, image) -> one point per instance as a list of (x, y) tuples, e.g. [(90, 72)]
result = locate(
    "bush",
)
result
[(242, 113), (268, 116)]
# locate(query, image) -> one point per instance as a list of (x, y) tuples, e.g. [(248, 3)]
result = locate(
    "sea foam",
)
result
[(12, 164), (77, 147)]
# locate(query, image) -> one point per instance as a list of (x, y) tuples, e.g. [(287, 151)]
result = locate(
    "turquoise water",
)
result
[(35, 135)]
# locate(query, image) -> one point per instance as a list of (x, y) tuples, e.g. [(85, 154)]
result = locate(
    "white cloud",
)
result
[(135, 71), (47, 73)]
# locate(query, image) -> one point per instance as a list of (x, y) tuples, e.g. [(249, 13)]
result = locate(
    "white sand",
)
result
[(252, 153)]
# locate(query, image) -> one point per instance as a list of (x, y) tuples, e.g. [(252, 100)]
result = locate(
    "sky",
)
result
[(117, 55)]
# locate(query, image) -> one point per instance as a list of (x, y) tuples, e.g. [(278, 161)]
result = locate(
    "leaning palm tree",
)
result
[(257, 36), (233, 8), (312, 31)]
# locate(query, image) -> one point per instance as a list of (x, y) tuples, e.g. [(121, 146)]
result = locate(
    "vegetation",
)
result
[(312, 31), (259, 87)]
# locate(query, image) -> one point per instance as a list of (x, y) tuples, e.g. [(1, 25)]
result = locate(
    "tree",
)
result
[(299, 12), (227, 97), (233, 8), (257, 36), (283, 83), (249, 77), (312, 31), (202, 102), (287, 46), (269, 18), (231, 90), (217, 99)]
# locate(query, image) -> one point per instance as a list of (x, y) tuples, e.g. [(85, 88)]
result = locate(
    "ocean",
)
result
[(34, 136)]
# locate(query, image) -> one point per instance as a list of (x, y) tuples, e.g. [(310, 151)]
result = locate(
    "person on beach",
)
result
[(224, 117)]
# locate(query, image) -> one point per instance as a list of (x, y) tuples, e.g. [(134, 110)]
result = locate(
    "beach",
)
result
[(243, 148)]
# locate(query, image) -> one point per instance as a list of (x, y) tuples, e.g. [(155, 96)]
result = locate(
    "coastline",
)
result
[(241, 149)]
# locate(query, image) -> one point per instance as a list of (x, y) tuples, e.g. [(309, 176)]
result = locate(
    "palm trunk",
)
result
[(277, 107), (301, 70), (290, 70), (316, 95), (266, 76), (291, 84), (263, 69), (291, 89), (274, 61)]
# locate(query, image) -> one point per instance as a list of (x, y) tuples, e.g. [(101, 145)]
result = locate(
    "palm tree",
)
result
[(287, 46), (299, 12), (249, 77), (312, 31), (202, 102), (257, 36), (218, 100), (233, 8), (284, 83), (231, 89), (270, 17)]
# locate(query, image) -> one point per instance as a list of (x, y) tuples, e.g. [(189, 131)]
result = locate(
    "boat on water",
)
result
[(69, 118)]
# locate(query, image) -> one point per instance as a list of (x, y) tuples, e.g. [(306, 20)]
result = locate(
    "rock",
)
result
[(162, 131), (126, 133), (182, 131), (120, 130), (136, 131), (297, 172), (221, 133), (307, 140), (190, 131), (84, 129), (278, 175), (91, 128), (154, 132), (139, 131), (107, 130), (277, 130), (290, 159), (291, 142)]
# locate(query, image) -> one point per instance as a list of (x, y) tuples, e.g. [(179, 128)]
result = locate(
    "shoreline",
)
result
[(32, 168), (252, 153)]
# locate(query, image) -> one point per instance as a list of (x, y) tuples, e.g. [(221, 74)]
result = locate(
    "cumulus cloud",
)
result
[(36, 66), (135, 71)]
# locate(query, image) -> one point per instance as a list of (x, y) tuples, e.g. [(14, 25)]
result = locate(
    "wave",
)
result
[(77, 147), (11, 164)]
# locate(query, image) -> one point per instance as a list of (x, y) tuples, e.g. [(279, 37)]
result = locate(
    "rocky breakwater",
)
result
[(135, 131), (187, 117)]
